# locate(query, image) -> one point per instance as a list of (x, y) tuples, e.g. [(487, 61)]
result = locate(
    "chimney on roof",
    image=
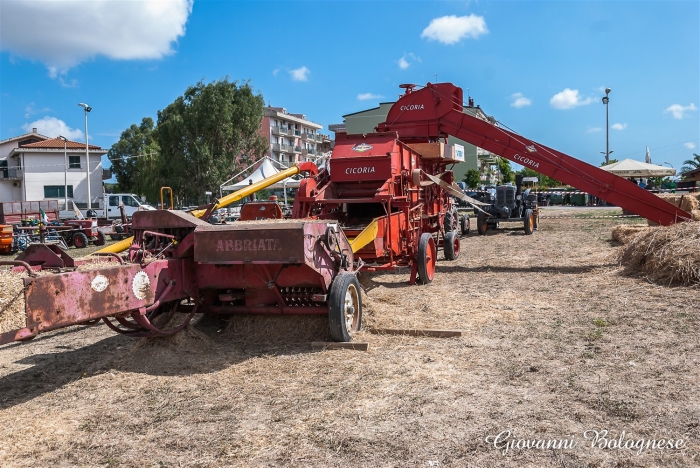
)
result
[(33, 129)]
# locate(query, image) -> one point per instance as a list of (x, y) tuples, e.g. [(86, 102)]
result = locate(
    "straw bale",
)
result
[(623, 233), (695, 214), (686, 202), (669, 254), (12, 315)]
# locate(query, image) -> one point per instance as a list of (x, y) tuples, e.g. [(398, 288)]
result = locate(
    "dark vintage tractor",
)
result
[(508, 203)]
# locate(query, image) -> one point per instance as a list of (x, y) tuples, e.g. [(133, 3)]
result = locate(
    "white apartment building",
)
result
[(36, 167), (292, 137)]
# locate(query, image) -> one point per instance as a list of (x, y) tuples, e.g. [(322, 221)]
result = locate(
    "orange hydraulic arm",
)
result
[(436, 111)]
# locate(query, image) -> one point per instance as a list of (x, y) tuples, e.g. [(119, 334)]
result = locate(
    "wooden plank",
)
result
[(334, 345), (417, 332)]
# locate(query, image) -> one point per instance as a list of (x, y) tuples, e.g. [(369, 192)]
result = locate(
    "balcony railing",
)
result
[(286, 148), (297, 149), (11, 174), (275, 146), (278, 131)]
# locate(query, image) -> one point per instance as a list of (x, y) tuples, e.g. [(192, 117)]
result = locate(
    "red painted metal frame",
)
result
[(436, 111)]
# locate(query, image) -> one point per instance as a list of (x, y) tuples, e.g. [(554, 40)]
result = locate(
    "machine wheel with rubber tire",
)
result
[(427, 258), (344, 307), (451, 245), (465, 225), (80, 240), (100, 238), (120, 236), (529, 221), (451, 222), (481, 223)]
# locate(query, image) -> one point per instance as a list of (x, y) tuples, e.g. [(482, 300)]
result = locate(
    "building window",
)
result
[(3, 169), (74, 162), (57, 191)]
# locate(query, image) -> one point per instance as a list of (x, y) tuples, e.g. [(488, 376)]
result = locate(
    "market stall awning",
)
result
[(632, 168), (265, 170)]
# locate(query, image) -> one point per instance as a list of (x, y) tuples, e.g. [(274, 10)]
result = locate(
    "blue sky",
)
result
[(538, 67)]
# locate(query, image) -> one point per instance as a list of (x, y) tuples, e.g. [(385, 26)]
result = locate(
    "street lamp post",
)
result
[(666, 162), (65, 170), (87, 109), (606, 99)]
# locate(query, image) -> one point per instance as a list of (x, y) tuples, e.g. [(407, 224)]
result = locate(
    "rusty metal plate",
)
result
[(250, 242), (55, 301), (160, 219)]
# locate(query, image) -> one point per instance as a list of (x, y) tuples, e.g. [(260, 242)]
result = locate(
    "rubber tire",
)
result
[(451, 222), (481, 223), (427, 258), (120, 236), (344, 283), (100, 239), (80, 240), (451, 245), (529, 222), (465, 225)]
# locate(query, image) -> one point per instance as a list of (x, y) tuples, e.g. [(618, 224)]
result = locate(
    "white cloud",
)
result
[(31, 110), (679, 112), (53, 127), (618, 126), (62, 34), (519, 100), (452, 29), (689, 145), (300, 74), (594, 130), (275, 71), (407, 60), (568, 99), (367, 96)]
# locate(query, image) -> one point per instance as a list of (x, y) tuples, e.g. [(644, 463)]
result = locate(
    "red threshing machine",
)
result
[(381, 202)]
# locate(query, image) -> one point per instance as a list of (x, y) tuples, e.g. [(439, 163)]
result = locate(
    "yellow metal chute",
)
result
[(367, 235), (225, 201)]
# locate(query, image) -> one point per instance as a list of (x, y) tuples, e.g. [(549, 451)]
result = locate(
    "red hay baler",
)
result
[(381, 202)]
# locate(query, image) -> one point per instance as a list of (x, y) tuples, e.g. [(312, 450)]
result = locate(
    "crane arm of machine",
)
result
[(437, 111), (231, 198)]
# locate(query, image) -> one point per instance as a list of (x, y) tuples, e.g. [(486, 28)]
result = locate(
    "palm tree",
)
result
[(691, 164)]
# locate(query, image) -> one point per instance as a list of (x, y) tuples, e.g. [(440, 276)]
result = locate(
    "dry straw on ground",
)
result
[(623, 233), (11, 301), (669, 254)]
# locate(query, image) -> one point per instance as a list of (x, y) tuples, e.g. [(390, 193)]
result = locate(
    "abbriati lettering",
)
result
[(244, 245)]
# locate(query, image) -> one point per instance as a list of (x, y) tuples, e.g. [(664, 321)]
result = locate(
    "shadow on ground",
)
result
[(210, 345)]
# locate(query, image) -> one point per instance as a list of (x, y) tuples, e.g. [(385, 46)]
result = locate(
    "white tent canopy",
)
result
[(632, 168), (265, 170)]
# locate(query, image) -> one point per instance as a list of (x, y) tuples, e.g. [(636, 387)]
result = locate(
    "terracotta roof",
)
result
[(26, 135), (57, 143)]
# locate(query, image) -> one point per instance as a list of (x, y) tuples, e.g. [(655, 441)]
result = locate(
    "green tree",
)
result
[(506, 170), (135, 159), (691, 164), (207, 134), (472, 178), (545, 181), (611, 161)]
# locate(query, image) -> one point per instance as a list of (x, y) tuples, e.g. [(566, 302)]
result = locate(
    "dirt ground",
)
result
[(558, 342)]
